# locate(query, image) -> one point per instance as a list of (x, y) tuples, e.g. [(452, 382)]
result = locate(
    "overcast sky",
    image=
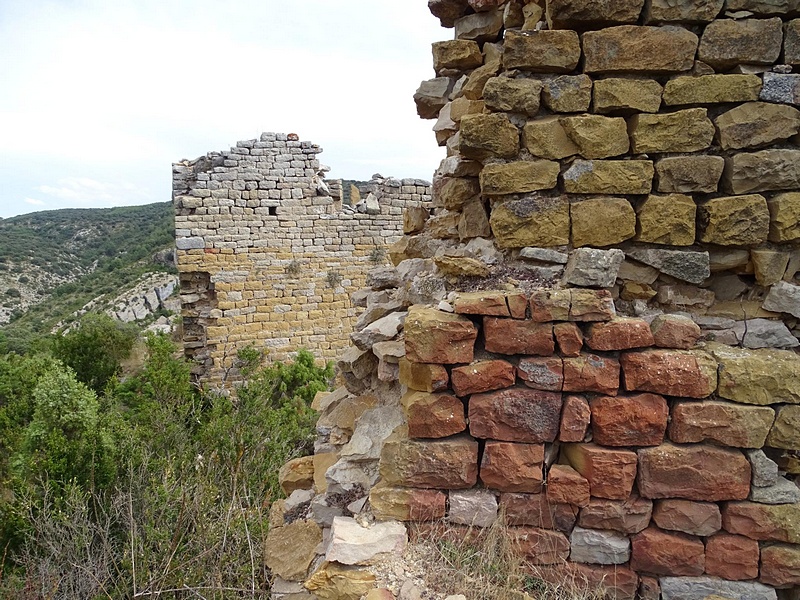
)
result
[(99, 97)]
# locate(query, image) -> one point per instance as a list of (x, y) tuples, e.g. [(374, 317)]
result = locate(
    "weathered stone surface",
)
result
[(590, 305), (587, 14), (620, 333), (451, 463), (701, 588), (681, 11), (447, 11), (472, 88), (781, 88), (688, 373), (765, 470), (433, 336), (453, 192), (461, 55), (685, 130), (353, 544), (568, 93), (519, 177), (552, 305), (536, 510), (510, 467), (290, 549), (423, 377), (433, 415), (530, 221), (791, 42), (699, 472), (598, 547), (667, 220), (610, 472), (763, 7), (765, 333), (686, 174), (764, 522), (724, 423), (574, 419), (540, 546), (566, 486), (513, 95), (569, 338), (609, 177), (769, 265), (515, 415), (765, 170), (591, 373), (597, 136), (602, 221), (514, 336), (780, 566), (547, 138), (674, 331), (481, 303), (783, 297), (626, 95), (337, 582), (757, 376), (431, 96), (784, 211), (712, 89), (542, 51), (476, 508), (481, 26), (756, 124), (695, 518), (458, 266), (590, 267), (686, 265), (728, 42), (639, 420), (662, 553), (632, 49), (482, 376), (485, 136), (381, 330), (616, 581), (545, 373), (626, 516), (404, 504), (785, 432), (297, 474), (782, 491)]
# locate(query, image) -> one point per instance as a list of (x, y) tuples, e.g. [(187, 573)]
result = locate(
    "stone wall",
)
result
[(268, 254), (594, 335)]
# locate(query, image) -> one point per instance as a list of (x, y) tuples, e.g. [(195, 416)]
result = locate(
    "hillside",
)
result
[(52, 263)]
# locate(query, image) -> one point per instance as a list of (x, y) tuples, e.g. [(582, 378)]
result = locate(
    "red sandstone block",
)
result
[(482, 376), (617, 581), (433, 415), (569, 338), (621, 333), (515, 415), (574, 419), (639, 420), (481, 303), (675, 331), (433, 336), (423, 377), (610, 472), (626, 516), (550, 305), (649, 588), (661, 553), (540, 546), (512, 336), (591, 373), (780, 566), (566, 486), (764, 522), (732, 557), (510, 467), (697, 472), (536, 510), (517, 304), (695, 518), (542, 373), (688, 373)]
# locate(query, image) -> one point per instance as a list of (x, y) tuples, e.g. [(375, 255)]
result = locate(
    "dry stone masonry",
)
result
[(594, 335), (268, 252)]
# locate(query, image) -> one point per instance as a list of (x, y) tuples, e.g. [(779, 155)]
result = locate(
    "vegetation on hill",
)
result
[(52, 263), (144, 487)]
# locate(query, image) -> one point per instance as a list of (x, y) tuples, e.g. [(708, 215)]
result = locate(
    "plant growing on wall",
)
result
[(334, 279)]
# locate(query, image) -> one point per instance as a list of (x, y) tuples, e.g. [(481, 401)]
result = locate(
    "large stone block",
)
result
[(591, 373), (540, 546), (760, 377), (734, 220), (482, 376), (765, 170), (610, 473), (513, 95), (546, 373), (689, 373), (662, 553), (616, 581), (683, 174), (764, 8), (511, 467), (785, 432), (791, 42), (783, 297), (589, 14), (668, 220), (566, 486), (404, 504), (453, 192), (682, 11), (732, 557), (633, 49), (515, 336), (626, 516), (542, 51), (695, 518), (568, 93), (627, 95), (571, 305), (698, 472), (599, 547), (530, 221), (712, 89), (515, 415), (687, 130), (603, 221), (597, 136), (780, 566), (486, 136), (756, 124), (574, 419), (763, 522), (728, 42), (423, 377), (700, 588), (480, 26), (784, 211), (547, 138), (351, 543), (686, 265), (724, 423), (569, 338), (481, 303), (448, 464), (609, 177), (433, 415), (519, 177), (592, 267), (460, 55), (639, 420), (621, 333), (291, 548), (536, 510), (434, 336)]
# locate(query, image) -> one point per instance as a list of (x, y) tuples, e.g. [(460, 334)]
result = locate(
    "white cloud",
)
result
[(35, 202), (90, 192)]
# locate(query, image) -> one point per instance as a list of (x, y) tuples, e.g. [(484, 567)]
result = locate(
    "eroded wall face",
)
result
[(269, 256)]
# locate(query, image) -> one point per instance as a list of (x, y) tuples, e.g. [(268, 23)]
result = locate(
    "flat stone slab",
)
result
[(352, 544)]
